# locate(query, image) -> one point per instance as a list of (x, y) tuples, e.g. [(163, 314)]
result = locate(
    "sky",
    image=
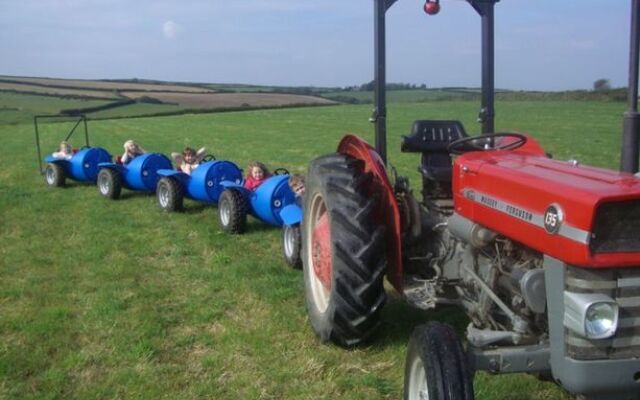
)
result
[(540, 44)]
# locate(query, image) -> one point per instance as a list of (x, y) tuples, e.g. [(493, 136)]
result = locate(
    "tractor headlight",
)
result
[(601, 320), (591, 315)]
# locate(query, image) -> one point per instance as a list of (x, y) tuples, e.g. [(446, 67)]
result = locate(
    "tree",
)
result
[(601, 84)]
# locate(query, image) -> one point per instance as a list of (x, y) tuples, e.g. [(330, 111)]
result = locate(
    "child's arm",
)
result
[(125, 158), (200, 154), (179, 160)]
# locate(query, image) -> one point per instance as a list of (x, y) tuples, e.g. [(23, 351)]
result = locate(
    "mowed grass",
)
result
[(114, 299)]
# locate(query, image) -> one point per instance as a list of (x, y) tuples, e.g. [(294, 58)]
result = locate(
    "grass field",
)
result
[(398, 96), (114, 299), (20, 108)]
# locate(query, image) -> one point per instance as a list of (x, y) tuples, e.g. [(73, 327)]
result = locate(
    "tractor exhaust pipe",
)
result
[(631, 130)]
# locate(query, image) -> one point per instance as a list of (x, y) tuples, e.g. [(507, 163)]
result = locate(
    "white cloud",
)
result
[(170, 29)]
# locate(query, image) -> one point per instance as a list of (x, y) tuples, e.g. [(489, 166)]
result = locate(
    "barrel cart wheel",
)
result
[(342, 251), (54, 175), (109, 183), (170, 194), (291, 243), (436, 367), (232, 211)]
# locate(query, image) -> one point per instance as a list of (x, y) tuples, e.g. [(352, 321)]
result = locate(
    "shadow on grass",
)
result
[(399, 319), (255, 225), (132, 194), (71, 184), (197, 208)]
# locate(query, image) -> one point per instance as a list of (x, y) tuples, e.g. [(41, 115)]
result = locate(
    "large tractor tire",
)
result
[(342, 251), (170, 194), (54, 175), (291, 243), (109, 183), (436, 367), (232, 211)]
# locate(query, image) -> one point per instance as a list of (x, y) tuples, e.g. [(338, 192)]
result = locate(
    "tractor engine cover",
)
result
[(582, 215)]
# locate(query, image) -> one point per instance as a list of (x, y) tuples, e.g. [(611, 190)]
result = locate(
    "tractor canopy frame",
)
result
[(629, 157)]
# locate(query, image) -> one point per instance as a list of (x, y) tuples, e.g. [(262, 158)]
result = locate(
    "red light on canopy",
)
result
[(432, 7)]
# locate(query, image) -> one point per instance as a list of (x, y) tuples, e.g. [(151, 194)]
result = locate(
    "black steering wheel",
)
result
[(487, 143), (281, 171), (208, 157)]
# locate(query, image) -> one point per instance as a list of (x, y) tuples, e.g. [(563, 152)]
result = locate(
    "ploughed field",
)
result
[(229, 100), (115, 299), (19, 97), (86, 84)]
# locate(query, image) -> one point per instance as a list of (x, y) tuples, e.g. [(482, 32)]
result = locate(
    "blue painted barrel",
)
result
[(142, 172), (270, 197), (83, 166), (204, 184)]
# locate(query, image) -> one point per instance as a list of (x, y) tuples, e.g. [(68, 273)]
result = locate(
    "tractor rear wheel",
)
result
[(170, 194), (342, 251), (109, 183), (54, 175), (232, 211), (291, 242), (436, 367)]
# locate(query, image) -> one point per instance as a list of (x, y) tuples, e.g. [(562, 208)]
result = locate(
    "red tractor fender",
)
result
[(388, 212)]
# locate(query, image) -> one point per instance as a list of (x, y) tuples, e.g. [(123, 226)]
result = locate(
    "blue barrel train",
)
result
[(212, 182), (80, 167), (205, 184), (273, 202), (140, 174)]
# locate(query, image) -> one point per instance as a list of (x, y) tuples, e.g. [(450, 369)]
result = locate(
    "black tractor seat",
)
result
[(432, 139), (432, 136)]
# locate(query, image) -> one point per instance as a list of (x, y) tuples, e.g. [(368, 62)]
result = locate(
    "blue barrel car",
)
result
[(273, 202), (204, 183), (140, 174), (81, 167)]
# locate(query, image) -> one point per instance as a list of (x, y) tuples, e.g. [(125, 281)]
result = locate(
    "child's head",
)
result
[(130, 146), (65, 147), (189, 155), (257, 170), (296, 183)]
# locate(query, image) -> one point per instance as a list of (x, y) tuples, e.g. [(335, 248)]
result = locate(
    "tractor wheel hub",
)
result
[(321, 251)]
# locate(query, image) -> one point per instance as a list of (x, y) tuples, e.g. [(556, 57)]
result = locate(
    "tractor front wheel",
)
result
[(232, 211), (109, 183), (170, 194), (54, 175), (436, 367), (342, 251), (291, 242)]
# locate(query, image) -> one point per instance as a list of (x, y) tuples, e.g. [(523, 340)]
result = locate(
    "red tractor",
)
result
[(542, 255)]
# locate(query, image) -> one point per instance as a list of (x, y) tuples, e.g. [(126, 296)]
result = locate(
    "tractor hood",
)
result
[(579, 214)]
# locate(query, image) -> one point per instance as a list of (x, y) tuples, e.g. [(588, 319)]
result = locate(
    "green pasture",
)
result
[(108, 299), (398, 96), (20, 108)]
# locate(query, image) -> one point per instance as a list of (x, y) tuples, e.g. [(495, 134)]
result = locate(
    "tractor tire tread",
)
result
[(238, 212), (115, 183), (444, 361), (358, 242), (176, 194)]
